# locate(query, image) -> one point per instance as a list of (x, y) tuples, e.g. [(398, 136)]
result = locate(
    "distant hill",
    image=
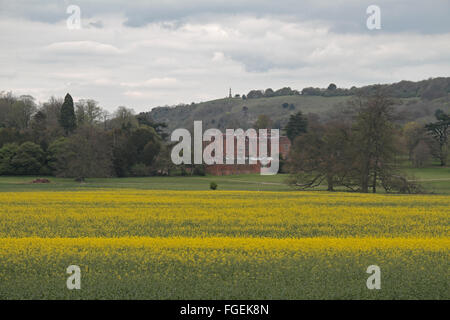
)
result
[(415, 101)]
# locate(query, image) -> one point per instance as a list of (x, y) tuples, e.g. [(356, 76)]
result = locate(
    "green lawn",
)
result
[(241, 182), (434, 179)]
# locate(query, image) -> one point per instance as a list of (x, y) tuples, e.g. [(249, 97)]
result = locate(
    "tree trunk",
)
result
[(365, 181), (330, 183), (442, 155), (374, 183), (364, 185), (443, 158)]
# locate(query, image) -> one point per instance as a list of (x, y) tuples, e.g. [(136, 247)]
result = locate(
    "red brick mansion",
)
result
[(232, 169)]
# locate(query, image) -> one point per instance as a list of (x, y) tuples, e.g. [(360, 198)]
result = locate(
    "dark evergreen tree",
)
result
[(297, 125), (67, 117)]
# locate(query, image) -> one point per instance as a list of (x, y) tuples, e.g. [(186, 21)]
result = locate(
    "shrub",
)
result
[(7, 153), (29, 159), (400, 184), (199, 170), (213, 186), (140, 170)]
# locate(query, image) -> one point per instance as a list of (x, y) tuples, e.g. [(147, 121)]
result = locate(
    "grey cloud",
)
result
[(340, 15)]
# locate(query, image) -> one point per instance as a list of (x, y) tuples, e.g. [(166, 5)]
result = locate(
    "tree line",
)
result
[(366, 150), (67, 139), (425, 89), (361, 151)]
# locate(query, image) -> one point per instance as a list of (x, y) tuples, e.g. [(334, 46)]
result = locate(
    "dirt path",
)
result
[(431, 180)]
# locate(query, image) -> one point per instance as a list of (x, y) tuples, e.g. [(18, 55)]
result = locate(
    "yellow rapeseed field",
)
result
[(223, 244)]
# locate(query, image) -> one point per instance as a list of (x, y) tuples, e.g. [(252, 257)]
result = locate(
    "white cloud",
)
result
[(218, 57), (153, 83), (135, 94), (81, 47)]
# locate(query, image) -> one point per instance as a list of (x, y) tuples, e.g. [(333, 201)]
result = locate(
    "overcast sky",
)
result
[(143, 54)]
